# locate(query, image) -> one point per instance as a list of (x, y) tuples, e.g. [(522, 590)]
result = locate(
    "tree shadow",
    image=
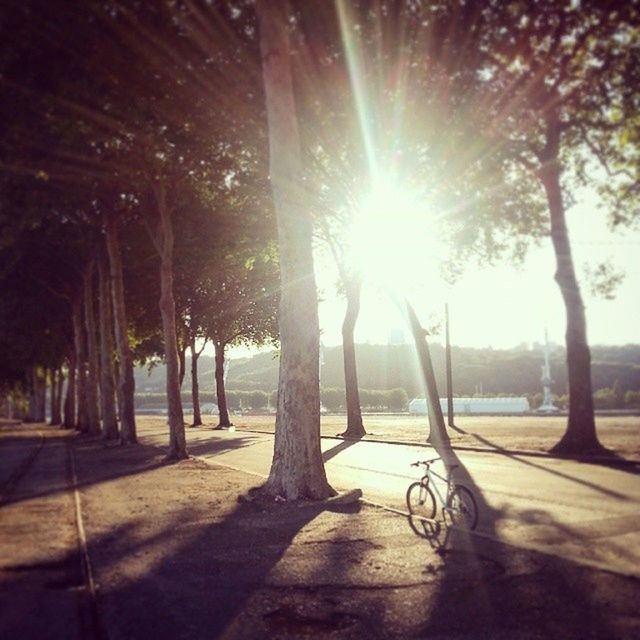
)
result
[(227, 577), (136, 459), (608, 458), (503, 591), (334, 451), (626, 467)]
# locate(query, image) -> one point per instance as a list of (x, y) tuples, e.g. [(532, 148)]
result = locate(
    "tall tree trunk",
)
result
[(32, 407), (221, 394), (56, 377), (580, 435), (56, 417), (177, 440), (297, 469), (182, 362), (41, 395), (51, 377), (82, 421), (70, 400), (438, 435), (126, 382), (107, 373), (93, 411), (355, 428), (195, 390)]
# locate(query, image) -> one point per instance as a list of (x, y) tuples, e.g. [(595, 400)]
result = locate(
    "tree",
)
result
[(92, 379), (107, 377), (559, 86), (126, 382), (297, 470)]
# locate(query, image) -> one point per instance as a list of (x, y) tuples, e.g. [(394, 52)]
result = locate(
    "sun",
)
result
[(394, 238)]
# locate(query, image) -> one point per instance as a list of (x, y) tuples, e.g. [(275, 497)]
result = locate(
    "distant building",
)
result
[(418, 406), (209, 407), (396, 336)]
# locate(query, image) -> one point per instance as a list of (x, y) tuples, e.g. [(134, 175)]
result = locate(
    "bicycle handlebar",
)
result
[(426, 463)]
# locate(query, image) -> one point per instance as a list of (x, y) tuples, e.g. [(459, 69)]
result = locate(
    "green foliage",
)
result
[(632, 399), (257, 399), (332, 398)]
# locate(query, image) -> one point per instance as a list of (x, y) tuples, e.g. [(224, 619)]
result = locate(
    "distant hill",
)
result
[(488, 371)]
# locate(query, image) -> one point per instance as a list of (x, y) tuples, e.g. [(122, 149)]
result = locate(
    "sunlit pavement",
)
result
[(587, 513)]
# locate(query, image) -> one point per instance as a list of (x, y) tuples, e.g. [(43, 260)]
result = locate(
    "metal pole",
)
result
[(448, 365)]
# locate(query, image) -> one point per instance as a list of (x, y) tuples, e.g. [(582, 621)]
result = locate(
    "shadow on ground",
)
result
[(492, 590)]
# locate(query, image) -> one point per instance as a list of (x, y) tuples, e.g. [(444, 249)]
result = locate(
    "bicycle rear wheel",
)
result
[(462, 508), (421, 501)]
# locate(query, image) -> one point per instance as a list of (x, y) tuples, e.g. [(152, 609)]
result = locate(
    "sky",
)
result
[(504, 306), (501, 306)]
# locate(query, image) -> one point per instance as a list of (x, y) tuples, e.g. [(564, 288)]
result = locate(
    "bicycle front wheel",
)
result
[(462, 508), (421, 501)]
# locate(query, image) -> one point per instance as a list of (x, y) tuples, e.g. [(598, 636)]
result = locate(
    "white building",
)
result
[(418, 406)]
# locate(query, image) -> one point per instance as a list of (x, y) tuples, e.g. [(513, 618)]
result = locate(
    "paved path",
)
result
[(41, 581), (584, 512)]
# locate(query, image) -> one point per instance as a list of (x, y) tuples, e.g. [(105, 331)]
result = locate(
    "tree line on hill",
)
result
[(475, 371)]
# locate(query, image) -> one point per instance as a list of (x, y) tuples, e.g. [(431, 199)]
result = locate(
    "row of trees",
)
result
[(497, 110), (101, 164)]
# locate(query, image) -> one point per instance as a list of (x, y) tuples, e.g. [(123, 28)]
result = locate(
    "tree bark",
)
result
[(182, 361), (70, 400), (580, 436), (177, 440), (37, 394), (297, 469), (107, 373), (56, 391), (82, 419), (92, 389), (52, 394), (126, 382), (57, 415), (195, 389), (41, 395), (355, 428), (221, 394)]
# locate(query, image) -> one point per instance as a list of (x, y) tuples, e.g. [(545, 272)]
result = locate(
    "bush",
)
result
[(397, 399), (257, 399), (632, 399), (604, 399), (333, 398)]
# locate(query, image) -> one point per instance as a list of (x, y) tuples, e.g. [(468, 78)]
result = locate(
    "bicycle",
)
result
[(458, 504)]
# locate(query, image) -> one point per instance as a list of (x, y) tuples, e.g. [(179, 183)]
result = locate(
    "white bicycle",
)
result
[(458, 504)]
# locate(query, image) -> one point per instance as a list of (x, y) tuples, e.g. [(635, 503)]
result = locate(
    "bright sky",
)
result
[(500, 306), (504, 306)]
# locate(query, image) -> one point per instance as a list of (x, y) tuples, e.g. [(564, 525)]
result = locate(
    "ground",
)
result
[(530, 433), (172, 553)]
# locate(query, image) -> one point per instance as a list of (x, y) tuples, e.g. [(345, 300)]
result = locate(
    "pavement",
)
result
[(586, 512), (102, 541)]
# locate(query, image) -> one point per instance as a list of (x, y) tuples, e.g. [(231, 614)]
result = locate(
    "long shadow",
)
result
[(610, 460), (472, 598), (131, 456), (498, 602), (334, 451), (210, 446), (197, 570), (560, 474)]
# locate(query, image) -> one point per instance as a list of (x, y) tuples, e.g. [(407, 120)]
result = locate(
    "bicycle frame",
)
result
[(429, 476)]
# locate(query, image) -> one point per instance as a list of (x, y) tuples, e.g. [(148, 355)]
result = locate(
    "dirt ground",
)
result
[(519, 433), (174, 554)]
